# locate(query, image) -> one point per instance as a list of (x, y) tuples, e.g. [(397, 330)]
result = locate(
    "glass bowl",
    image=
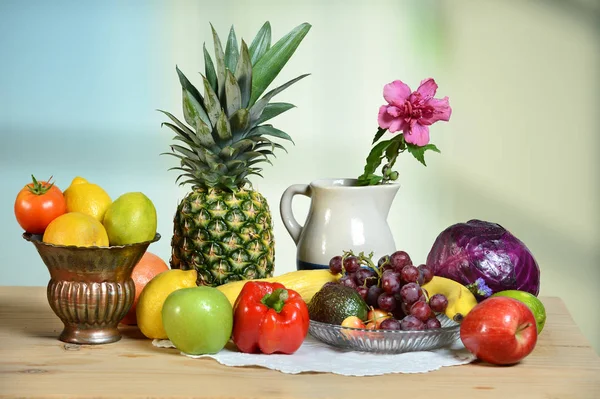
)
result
[(386, 341)]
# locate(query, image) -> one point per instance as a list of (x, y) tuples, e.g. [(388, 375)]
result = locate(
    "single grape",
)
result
[(365, 276), (405, 309), (387, 266), (410, 293), (421, 311), (335, 264), (438, 303), (390, 324), (409, 274), (390, 282), (399, 259), (383, 260), (373, 294), (386, 302), (348, 280), (426, 272), (362, 291), (411, 323), (351, 264), (420, 278), (422, 296), (432, 323), (399, 312)]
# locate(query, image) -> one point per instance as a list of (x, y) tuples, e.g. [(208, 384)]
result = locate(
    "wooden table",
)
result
[(33, 363)]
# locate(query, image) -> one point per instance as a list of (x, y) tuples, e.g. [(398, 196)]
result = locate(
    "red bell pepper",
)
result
[(269, 318)]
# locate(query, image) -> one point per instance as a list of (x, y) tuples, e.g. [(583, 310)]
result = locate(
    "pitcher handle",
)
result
[(285, 208)]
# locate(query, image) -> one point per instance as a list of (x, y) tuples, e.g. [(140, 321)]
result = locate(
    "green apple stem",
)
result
[(276, 299)]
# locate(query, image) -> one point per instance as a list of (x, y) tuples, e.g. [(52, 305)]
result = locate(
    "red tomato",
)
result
[(37, 204)]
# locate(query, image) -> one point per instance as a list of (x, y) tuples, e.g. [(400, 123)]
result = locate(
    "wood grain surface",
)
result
[(34, 364)]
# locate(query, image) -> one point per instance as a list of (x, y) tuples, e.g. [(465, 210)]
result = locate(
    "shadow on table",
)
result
[(36, 319), (30, 319)]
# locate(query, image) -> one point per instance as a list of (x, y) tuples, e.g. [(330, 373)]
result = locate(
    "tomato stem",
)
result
[(39, 188)]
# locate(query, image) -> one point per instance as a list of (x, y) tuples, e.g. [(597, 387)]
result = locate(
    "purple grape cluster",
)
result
[(393, 286)]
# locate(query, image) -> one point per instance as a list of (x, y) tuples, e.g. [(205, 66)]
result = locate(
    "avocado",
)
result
[(334, 302)]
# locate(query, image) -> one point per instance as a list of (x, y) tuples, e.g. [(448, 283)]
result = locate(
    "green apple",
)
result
[(198, 320)]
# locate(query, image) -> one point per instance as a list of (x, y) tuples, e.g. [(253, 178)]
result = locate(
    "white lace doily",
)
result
[(315, 356)]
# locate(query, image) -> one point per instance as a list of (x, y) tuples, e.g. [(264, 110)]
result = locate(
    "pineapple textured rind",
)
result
[(224, 236)]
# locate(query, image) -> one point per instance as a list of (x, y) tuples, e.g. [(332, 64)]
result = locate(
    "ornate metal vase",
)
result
[(90, 288)]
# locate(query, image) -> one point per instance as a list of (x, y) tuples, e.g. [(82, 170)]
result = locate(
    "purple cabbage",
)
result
[(485, 257)]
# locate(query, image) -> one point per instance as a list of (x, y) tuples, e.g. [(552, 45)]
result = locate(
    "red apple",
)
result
[(499, 330)]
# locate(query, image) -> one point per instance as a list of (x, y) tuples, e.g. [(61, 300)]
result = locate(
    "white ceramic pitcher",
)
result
[(342, 216)]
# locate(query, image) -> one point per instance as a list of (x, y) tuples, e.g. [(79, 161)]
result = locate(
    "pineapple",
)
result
[(223, 228)]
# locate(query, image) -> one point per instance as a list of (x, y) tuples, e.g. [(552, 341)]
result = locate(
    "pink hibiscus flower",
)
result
[(412, 112)]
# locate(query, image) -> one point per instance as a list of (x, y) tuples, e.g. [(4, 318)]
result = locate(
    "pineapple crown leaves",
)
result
[(223, 139)]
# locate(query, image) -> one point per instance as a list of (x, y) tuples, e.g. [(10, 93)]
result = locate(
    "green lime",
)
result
[(130, 219), (532, 302)]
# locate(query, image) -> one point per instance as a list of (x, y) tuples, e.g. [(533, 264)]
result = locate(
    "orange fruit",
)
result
[(149, 266), (77, 229)]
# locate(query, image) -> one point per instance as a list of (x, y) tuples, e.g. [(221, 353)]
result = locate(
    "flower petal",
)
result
[(384, 119), (396, 125), (394, 111), (427, 88), (396, 93), (417, 135), (436, 110)]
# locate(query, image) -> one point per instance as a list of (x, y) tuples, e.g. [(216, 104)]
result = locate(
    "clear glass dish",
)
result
[(386, 341)]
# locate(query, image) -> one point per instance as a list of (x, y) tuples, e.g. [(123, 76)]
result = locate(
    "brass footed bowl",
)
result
[(90, 288)]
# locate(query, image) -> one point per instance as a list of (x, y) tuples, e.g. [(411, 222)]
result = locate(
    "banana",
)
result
[(304, 282), (460, 299)]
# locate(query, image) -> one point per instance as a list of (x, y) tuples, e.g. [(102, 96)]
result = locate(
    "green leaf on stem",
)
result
[(369, 180), (392, 151), (373, 161), (419, 151), (378, 135)]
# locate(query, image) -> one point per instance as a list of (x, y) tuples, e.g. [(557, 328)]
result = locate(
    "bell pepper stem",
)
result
[(276, 299)]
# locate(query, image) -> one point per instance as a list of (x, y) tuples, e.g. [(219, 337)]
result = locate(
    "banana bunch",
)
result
[(460, 299), (304, 282)]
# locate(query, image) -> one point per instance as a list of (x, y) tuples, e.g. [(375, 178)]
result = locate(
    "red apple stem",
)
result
[(523, 327)]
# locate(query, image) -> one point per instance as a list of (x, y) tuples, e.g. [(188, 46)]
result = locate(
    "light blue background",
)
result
[(80, 83)]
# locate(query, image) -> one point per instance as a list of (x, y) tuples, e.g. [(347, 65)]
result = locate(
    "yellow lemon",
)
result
[(76, 228), (88, 198), (77, 180), (153, 296)]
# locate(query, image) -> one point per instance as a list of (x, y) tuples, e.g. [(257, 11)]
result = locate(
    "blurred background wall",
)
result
[(80, 83)]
